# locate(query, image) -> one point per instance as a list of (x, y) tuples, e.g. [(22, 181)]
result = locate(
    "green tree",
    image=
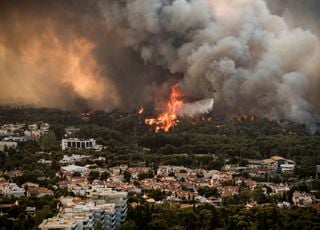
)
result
[(158, 224), (93, 175), (207, 191), (157, 194), (104, 175), (98, 226), (49, 142), (205, 217), (127, 176), (145, 175), (216, 164), (76, 174), (128, 225), (189, 219)]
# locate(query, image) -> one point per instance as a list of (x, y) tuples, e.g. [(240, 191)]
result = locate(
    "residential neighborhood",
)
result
[(89, 189), (159, 115)]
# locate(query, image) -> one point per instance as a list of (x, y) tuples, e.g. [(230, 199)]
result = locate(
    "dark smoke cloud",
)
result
[(120, 54)]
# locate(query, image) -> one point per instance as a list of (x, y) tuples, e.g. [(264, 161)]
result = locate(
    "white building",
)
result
[(60, 223), (302, 199), (165, 170), (76, 143), (69, 131), (82, 214), (120, 200), (5, 133), (12, 127), (96, 211), (7, 145), (67, 160), (287, 168), (201, 199), (279, 188), (71, 169), (279, 164), (15, 139), (12, 189), (45, 162), (44, 127)]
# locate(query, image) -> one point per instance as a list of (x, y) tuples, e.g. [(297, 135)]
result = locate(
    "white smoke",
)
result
[(196, 108), (259, 64)]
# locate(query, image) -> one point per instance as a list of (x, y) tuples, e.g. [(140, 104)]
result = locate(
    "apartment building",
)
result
[(60, 223), (102, 205), (76, 143), (114, 197)]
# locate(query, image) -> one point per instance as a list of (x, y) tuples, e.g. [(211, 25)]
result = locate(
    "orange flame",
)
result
[(244, 117), (168, 119), (141, 110)]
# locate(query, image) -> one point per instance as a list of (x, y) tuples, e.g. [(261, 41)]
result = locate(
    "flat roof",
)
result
[(58, 222)]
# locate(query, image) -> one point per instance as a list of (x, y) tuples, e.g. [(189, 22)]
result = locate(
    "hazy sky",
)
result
[(121, 54)]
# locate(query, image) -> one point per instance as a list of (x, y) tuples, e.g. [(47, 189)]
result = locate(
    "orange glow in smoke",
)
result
[(225, 9), (47, 70), (168, 119), (220, 8)]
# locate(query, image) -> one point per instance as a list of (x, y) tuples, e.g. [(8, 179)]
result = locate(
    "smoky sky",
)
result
[(55, 26), (253, 56)]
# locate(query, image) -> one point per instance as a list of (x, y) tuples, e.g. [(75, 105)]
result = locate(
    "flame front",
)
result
[(168, 119)]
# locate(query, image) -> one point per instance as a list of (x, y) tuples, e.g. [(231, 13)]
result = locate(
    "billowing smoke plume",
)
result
[(258, 64), (123, 53)]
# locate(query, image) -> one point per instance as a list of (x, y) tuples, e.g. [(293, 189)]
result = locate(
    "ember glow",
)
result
[(168, 119), (141, 110), (244, 117)]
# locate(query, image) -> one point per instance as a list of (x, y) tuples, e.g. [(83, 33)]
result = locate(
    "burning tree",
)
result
[(168, 119)]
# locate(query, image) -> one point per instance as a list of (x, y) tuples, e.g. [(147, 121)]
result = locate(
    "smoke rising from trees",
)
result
[(120, 54)]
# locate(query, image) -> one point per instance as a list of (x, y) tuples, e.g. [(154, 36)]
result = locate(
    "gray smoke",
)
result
[(257, 62), (119, 54)]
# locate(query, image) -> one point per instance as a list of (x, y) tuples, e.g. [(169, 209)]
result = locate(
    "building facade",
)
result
[(103, 205), (76, 143)]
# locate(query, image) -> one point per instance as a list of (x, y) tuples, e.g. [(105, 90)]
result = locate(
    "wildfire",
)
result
[(168, 119), (141, 110), (244, 117)]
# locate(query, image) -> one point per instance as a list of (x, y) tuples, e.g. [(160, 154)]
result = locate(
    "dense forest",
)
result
[(198, 142), (229, 217), (208, 142)]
